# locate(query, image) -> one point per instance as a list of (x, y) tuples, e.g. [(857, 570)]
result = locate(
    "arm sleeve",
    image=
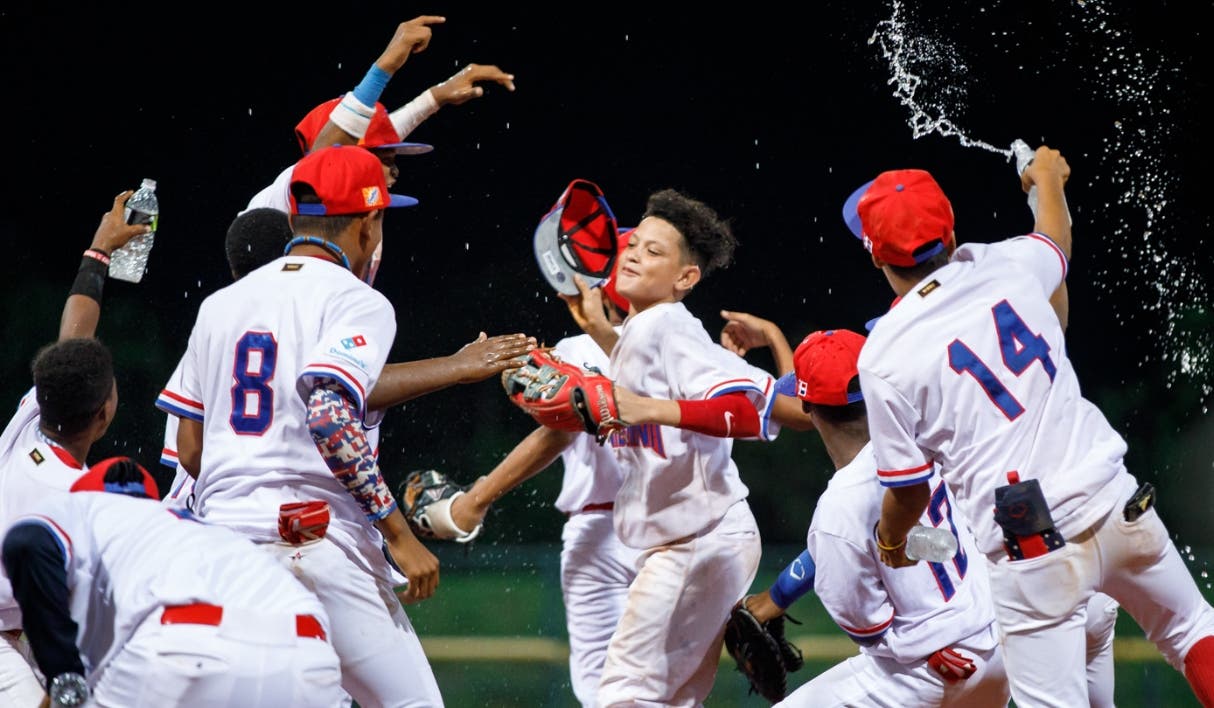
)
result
[(794, 582), (343, 445), (406, 118), (731, 415), (36, 561)]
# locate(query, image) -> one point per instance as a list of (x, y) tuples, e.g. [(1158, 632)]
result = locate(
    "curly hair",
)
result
[(709, 241), (72, 380), (255, 238)]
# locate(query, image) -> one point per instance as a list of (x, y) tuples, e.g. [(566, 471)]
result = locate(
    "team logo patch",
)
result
[(356, 341), (291, 267), (37, 456), (372, 197)]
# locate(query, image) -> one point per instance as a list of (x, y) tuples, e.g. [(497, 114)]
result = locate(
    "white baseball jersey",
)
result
[(678, 482), (127, 558), (276, 195), (969, 370), (32, 467), (911, 612), (592, 475), (256, 348)]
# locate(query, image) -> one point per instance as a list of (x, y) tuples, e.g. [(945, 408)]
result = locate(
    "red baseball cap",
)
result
[(609, 284), (125, 476), (347, 180), (825, 363), (578, 236), (902, 216), (380, 134)]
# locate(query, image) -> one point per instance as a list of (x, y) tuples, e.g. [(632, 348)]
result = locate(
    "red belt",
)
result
[(601, 506), (200, 613)]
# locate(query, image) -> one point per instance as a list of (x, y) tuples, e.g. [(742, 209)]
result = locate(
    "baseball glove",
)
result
[(425, 498), (762, 653), (560, 395)]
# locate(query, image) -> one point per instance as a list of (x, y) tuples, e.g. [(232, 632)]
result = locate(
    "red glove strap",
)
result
[(300, 522), (951, 665), (728, 416)]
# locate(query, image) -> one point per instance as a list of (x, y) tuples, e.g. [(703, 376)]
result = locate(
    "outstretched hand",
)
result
[(488, 356), (410, 38), (464, 85)]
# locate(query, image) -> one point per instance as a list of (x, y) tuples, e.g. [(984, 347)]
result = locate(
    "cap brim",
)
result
[(405, 148), (786, 385), (851, 212), (553, 265), (401, 200)]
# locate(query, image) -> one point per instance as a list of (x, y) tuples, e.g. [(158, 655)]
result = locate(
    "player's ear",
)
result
[(688, 278)]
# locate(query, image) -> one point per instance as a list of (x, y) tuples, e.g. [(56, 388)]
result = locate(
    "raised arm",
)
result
[(82, 310)]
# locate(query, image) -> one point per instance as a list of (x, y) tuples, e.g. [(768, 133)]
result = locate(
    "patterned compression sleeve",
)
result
[(339, 437), (794, 581)]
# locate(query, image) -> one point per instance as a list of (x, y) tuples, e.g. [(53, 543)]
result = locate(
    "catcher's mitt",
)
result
[(560, 395), (425, 498), (762, 653)]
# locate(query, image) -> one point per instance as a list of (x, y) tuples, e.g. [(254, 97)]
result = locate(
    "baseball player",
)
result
[(596, 568), (256, 237), (114, 609), (988, 395), (44, 448), (265, 389), (682, 502), (745, 332), (927, 637)]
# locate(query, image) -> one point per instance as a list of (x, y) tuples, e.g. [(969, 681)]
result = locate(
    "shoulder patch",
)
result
[(37, 457)]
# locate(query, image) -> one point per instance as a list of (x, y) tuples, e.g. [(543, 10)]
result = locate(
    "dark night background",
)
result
[(771, 116)]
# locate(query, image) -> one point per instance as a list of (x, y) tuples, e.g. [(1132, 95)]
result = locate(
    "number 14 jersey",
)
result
[(969, 370)]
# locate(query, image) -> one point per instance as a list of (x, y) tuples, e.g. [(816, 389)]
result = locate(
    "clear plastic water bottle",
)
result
[(128, 263), (930, 544), (1023, 155)]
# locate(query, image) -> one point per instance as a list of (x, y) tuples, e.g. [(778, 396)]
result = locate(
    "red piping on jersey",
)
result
[(65, 457), (57, 529), (875, 629), (345, 375), (1057, 251), (169, 394), (899, 473)]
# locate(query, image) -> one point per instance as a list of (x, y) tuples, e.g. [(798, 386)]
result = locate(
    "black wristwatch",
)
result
[(69, 690)]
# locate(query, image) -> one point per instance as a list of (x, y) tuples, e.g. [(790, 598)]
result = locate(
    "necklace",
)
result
[(329, 246)]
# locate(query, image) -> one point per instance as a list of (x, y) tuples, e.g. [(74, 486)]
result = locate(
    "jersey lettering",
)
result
[(253, 370), (1019, 347), (646, 435), (939, 510)]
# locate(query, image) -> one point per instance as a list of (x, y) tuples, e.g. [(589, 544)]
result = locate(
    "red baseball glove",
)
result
[(560, 395)]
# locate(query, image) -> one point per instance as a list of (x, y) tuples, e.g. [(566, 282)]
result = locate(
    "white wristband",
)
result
[(352, 116)]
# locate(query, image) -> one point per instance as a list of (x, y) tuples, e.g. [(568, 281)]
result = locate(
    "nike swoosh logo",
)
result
[(728, 423)]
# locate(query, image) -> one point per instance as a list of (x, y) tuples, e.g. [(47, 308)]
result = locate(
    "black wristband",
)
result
[(90, 279)]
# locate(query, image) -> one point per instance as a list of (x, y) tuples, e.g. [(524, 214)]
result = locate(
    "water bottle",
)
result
[(128, 263), (930, 544), (1024, 155)]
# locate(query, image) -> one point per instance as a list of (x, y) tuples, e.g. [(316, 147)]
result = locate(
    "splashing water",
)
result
[(1172, 293)]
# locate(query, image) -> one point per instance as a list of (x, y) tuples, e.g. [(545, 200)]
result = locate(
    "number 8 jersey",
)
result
[(255, 350), (969, 370)]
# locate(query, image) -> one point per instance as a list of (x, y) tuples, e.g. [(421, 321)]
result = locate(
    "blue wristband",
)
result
[(794, 581), (372, 85)]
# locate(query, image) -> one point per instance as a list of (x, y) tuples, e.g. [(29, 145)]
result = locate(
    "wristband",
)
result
[(90, 279), (884, 547), (98, 254), (352, 116), (369, 89)]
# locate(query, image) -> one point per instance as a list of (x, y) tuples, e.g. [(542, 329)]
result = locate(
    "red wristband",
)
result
[(98, 254)]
